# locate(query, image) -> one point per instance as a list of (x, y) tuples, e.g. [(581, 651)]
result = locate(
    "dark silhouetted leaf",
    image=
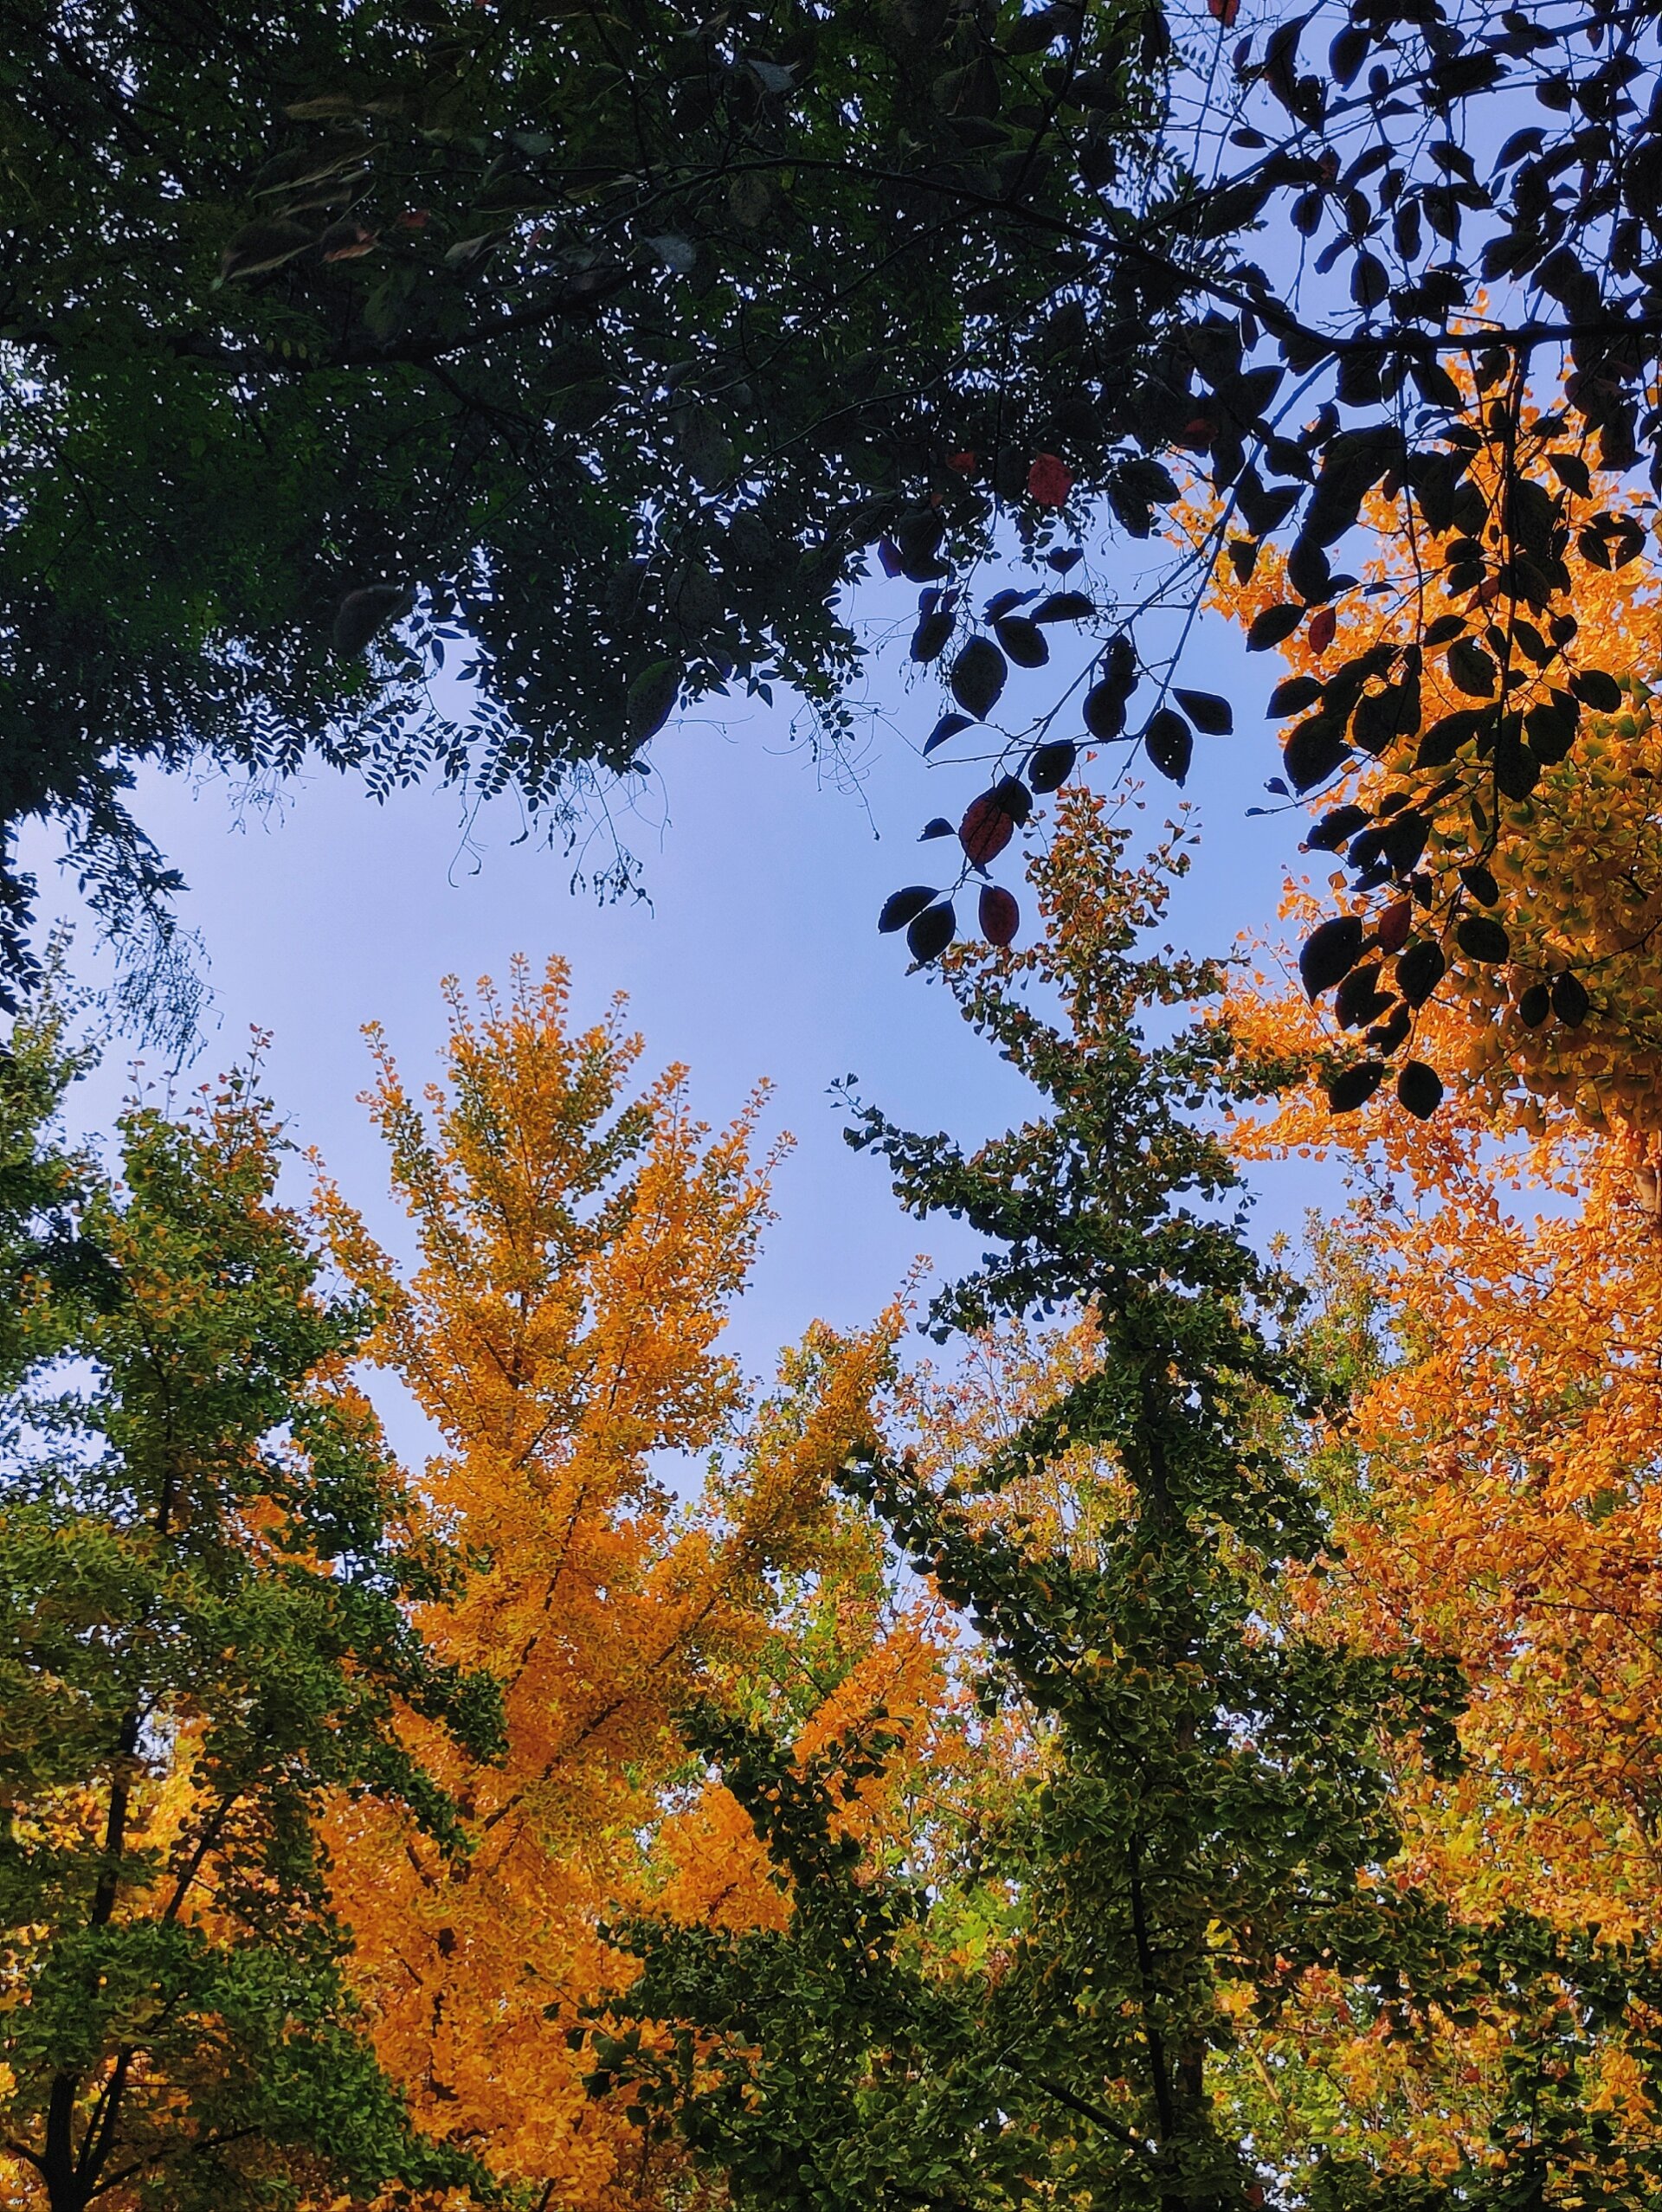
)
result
[(1355, 1086), (1481, 937), (1206, 711), (949, 725), (361, 613), (937, 826), (1052, 764), (1169, 743), (1535, 1006), (1596, 690), (651, 698), (932, 932), (978, 676), (1420, 970), (1272, 627), (903, 906), (1570, 1000), (1064, 606), (1023, 641), (1419, 1089), (1104, 710), (1314, 750), (1336, 829), (932, 636), (1294, 694), (1331, 951)]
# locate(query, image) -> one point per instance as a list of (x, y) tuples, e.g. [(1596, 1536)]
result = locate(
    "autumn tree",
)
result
[(578, 1241), (1528, 952), (1493, 1481), (207, 1560), (1211, 1822), (614, 343)]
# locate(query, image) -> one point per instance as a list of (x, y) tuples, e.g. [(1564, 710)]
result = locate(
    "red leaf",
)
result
[(1322, 624), (1393, 926), (1223, 11), (986, 829), (1049, 480), (414, 219), (1001, 917), (963, 464)]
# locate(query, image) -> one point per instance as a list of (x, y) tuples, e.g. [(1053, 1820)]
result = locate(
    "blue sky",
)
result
[(757, 956)]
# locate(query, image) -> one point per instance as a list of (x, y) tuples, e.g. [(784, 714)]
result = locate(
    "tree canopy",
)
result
[(610, 344)]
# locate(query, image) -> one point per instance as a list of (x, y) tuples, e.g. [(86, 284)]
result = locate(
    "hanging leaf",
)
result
[(932, 636), (1596, 690), (1479, 936), (1355, 1086), (1104, 712), (1049, 480), (903, 906), (1272, 627), (1472, 669), (1064, 559), (1023, 641), (1049, 766), (652, 699), (1420, 969), (1331, 951), (932, 933), (1323, 624), (1394, 924), (1170, 744), (1314, 750), (1337, 829), (1359, 998), (949, 725), (1209, 713), (1387, 1035), (937, 826), (986, 828), (262, 246), (1064, 606), (1570, 1000), (1419, 1089), (999, 914), (1294, 694), (1535, 1006), (978, 677)]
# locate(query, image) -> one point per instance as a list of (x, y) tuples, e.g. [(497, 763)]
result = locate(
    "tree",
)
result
[(618, 341), (1530, 956), (579, 1242), (206, 1563), (1494, 1492), (1207, 1829)]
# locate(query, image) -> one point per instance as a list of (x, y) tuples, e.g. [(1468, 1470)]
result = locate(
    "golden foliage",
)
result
[(1495, 1494), (578, 1248)]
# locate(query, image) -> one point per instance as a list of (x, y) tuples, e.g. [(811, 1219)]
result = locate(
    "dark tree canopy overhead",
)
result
[(597, 331), (612, 337)]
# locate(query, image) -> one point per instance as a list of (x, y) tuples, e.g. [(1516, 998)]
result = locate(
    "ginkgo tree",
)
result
[(579, 1242)]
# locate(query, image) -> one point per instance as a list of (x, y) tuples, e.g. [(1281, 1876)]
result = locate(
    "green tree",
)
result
[(610, 337), (205, 1558), (1207, 1817)]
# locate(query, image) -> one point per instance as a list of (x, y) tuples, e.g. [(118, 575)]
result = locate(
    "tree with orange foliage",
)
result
[(1493, 1478), (1508, 860), (578, 1246)]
